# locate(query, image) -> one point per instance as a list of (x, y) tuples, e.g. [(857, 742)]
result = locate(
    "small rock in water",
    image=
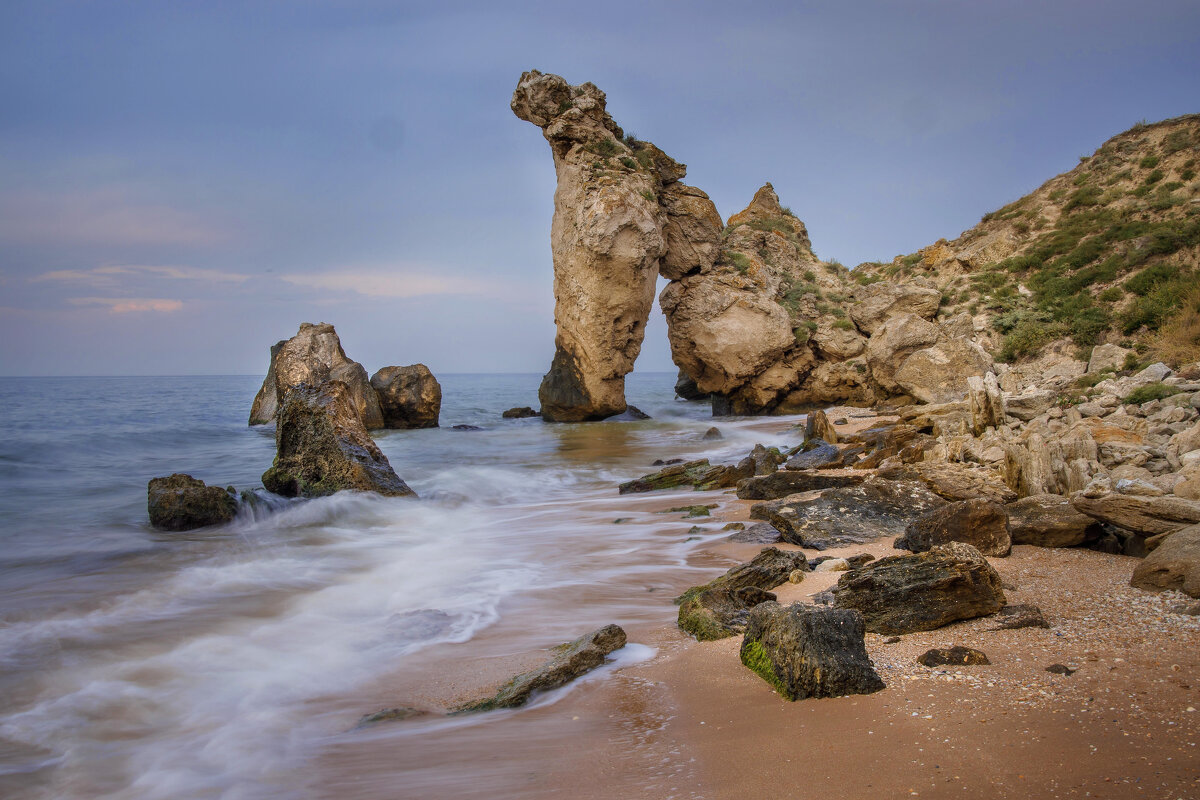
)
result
[(690, 511), (957, 655), (619, 520), (633, 412), (659, 462), (712, 434), (466, 428), (521, 412), (734, 526), (1060, 669), (181, 503), (390, 715)]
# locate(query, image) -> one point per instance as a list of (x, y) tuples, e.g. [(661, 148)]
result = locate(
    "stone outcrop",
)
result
[(1174, 564), (979, 523), (313, 356), (903, 594), (322, 447), (874, 304), (180, 502), (571, 660), (986, 403), (409, 397), (938, 374), (804, 651), (619, 211)]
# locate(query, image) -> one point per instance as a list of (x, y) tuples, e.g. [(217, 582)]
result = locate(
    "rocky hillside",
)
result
[(1107, 252)]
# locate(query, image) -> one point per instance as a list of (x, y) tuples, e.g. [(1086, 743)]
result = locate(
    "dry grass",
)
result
[(1177, 341)]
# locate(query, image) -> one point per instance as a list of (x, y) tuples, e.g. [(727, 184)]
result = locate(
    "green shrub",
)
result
[(738, 260), (1029, 337), (843, 324), (1142, 283), (1176, 141), (1149, 162), (1087, 196), (1112, 294), (1155, 176), (1187, 174), (1151, 391), (649, 195), (605, 148)]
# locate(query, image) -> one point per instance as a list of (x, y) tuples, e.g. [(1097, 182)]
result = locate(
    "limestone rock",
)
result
[(891, 344), (959, 481), (1136, 511), (313, 356), (692, 231), (1029, 405), (1107, 356), (570, 661), (979, 523), (410, 397), (266, 404), (786, 482), (986, 403), (1041, 461), (804, 652), (720, 607), (322, 447), (878, 301), (818, 426), (180, 502), (1174, 564), (1049, 520), (938, 374), (921, 592)]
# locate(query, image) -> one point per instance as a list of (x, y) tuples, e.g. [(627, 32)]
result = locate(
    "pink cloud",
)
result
[(126, 305)]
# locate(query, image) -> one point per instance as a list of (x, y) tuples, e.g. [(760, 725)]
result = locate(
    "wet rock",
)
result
[(953, 656), (759, 533), (761, 461), (1174, 564), (634, 413), (1049, 520), (712, 435), (718, 608), (520, 412), (1020, 616), (323, 448), (180, 502), (666, 462), (921, 592), (781, 484), (687, 389), (465, 428), (979, 523), (699, 474), (410, 397), (805, 652), (571, 660), (691, 511), (822, 455), (391, 715), (852, 515)]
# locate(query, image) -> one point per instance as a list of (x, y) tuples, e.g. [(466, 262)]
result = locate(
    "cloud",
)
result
[(126, 305), (399, 282), (105, 276)]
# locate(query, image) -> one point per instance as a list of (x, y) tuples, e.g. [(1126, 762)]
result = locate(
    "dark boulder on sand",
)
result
[(180, 502), (979, 523), (952, 656)]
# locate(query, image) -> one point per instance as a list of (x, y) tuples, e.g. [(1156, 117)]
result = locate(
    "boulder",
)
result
[(410, 397), (979, 523), (924, 591), (893, 342), (802, 651), (938, 374), (758, 533), (570, 661), (1107, 356), (851, 515), (817, 455), (720, 607), (818, 426), (875, 303), (692, 229), (958, 481), (322, 447), (180, 502), (1174, 564), (520, 412), (1029, 405), (1049, 520), (1135, 509), (986, 403), (957, 656), (313, 356), (783, 483)]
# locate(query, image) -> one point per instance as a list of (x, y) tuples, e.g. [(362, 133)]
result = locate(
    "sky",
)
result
[(183, 184)]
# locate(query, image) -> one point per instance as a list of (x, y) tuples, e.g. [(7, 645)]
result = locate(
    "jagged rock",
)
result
[(818, 426), (607, 236), (410, 397), (1049, 520), (896, 339), (804, 652), (720, 607), (1136, 512), (953, 656), (874, 304), (699, 474), (759, 533), (852, 515), (986, 403), (322, 447), (1107, 356), (979, 523), (921, 592), (1041, 461), (784, 483), (765, 460), (1020, 616), (1174, 564), (822, 455), (959, 481), (520, 412), (938, 374), (1028, 406), (266, 403), (180, 502), (687, 389), (570, 661)]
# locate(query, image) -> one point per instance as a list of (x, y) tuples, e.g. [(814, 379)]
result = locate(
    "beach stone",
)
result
[(921, 592), (785, 482), (1174, 564), (850, 515), (953, 656), (410, 397), (1049, 520), (832, 565), (979, 523), (520, 412), (1060, 669), (805, 652), (180, 502), (323, 448), (821, 455), (571, 660), (717, 609), (1020, 616), (759, 533), (796, 576)]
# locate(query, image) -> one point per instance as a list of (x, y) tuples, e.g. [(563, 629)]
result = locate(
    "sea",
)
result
[(237, 661)]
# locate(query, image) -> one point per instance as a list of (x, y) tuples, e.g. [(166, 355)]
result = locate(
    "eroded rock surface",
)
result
[(720, 607), (409, 397), (180, 502), (979, 523)]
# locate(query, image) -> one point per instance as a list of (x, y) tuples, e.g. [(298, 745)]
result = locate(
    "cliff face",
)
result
[(619, 210)]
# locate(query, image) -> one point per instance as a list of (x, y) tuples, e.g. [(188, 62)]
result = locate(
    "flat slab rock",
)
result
[(720, 608), (850, 515), (922, 592), (571, 660), (699, 474), (786, 482), (803, 651)]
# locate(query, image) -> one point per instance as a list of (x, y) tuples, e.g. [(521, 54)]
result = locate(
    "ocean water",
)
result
[(233, 661)]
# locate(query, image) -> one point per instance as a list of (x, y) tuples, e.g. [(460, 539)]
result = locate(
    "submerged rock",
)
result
[(571, 660), (323, 448), (409, 397), (180, 502), (521, 412), (979, 523), (804, 651), (720, 607), (699, 474), (903, 594)]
